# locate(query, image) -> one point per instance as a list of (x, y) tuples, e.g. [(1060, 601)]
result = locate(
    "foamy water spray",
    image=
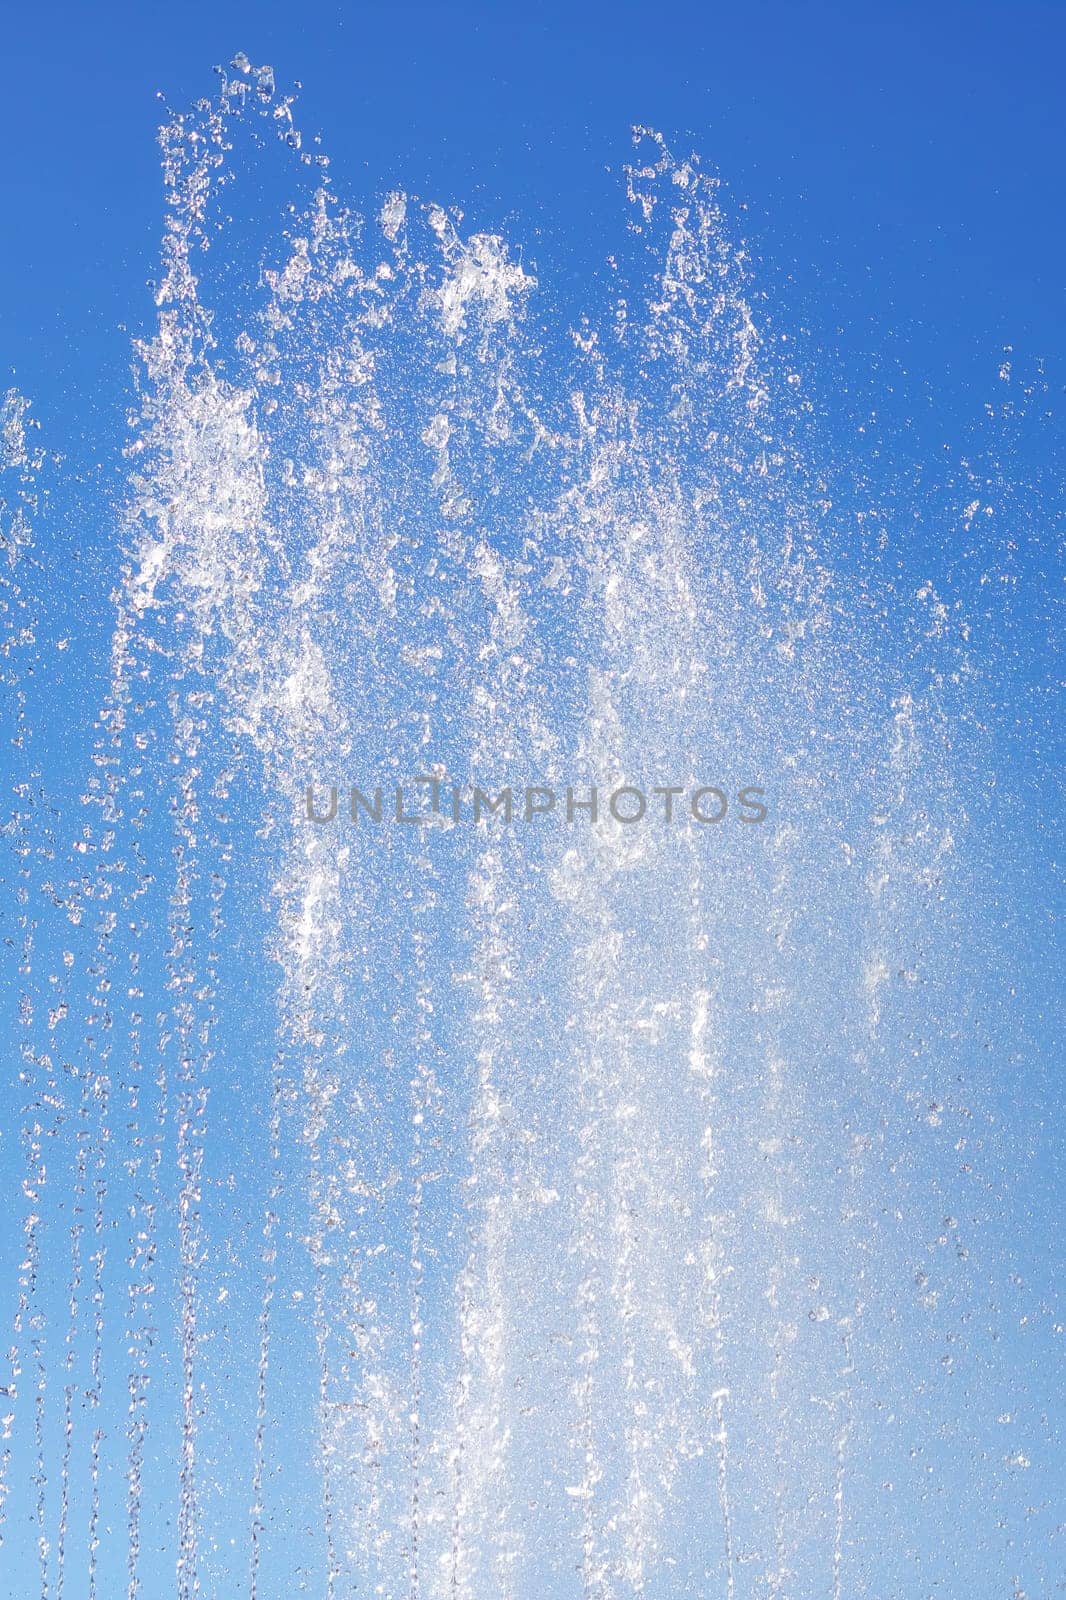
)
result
[(545, 1219)]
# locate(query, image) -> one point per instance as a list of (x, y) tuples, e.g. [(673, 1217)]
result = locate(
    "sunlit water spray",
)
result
[(545, 1208)]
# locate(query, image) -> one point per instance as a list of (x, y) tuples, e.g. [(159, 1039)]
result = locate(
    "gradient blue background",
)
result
[(901, 170), (896, 170), (901, 164)]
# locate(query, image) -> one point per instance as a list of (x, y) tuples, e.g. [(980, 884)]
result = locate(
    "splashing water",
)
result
[(561, 1207)]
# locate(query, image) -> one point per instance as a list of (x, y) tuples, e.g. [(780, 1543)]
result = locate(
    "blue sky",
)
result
[(900, 164), (896, 171)]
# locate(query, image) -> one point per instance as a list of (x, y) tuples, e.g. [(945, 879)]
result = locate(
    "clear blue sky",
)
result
[(902, 164), (897, 170), (900, 168)]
